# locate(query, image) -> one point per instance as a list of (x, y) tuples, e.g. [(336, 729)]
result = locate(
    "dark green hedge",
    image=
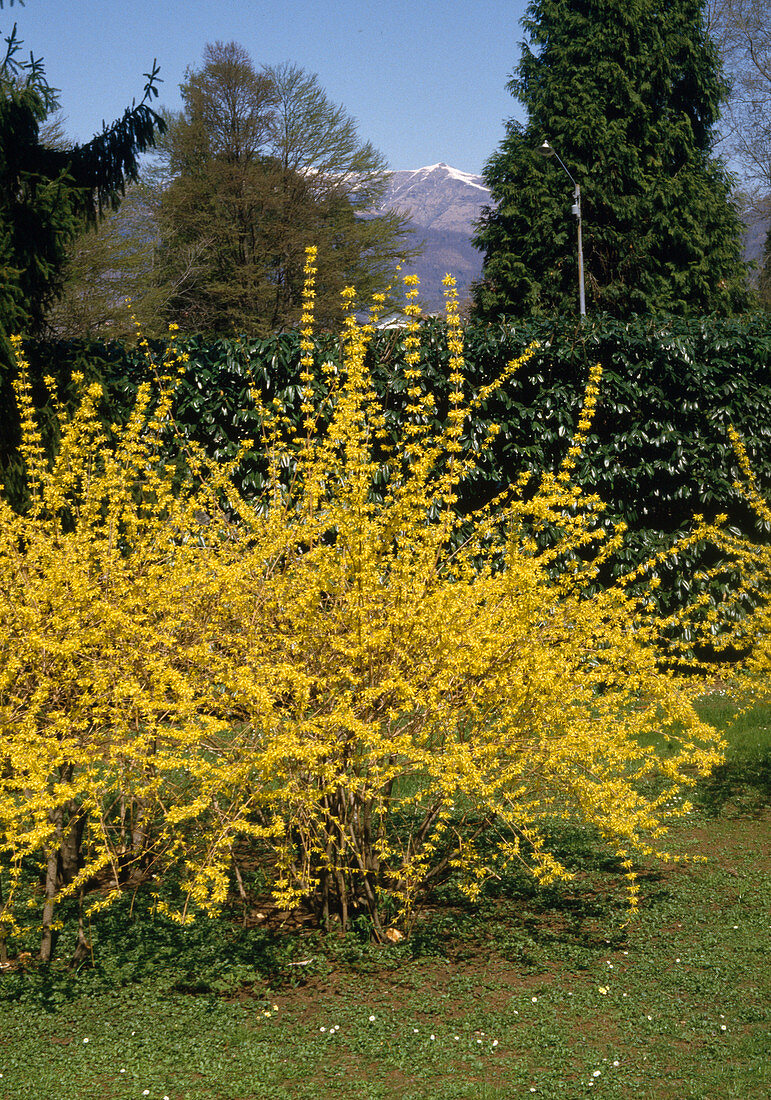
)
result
[(658, 451)]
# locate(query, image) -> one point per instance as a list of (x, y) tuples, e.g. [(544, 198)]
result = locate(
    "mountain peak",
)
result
[(442, 169), (437, 196), (443, 204)]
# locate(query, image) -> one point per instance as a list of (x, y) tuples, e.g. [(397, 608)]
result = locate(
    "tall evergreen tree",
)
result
[(627, 92), (49, 192)]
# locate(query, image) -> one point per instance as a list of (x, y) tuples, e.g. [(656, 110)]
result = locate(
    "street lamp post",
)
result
[(547, 151)]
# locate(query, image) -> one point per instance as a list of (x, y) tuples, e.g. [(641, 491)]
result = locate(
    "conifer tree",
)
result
[(49, 193), (627, 92)]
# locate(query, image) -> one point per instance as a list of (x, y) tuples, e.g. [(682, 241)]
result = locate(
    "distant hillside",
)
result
[(443, 204), (756, 231)]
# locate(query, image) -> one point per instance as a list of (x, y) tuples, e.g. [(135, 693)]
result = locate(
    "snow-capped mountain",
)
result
[(443, 203)]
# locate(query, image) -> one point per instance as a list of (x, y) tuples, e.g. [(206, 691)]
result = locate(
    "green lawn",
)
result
[(529, 993)]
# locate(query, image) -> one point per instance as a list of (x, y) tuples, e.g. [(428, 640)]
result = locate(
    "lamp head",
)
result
[(546, 150)]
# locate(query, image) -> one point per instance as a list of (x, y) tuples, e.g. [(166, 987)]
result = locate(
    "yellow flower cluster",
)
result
[(306, 334), (591, 393), (740, 620)]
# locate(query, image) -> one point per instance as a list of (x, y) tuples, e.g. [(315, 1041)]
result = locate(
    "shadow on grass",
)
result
[(741, 786), (514, 918), (520, 921), (213, 957)]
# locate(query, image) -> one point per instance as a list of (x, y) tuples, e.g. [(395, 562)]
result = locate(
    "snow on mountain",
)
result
[(443, 204), (438, 197)]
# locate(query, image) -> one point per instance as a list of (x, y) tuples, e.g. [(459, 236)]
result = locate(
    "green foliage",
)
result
[(627, 94)]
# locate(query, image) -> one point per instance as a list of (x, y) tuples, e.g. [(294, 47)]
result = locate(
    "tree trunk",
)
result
[(83, 947), (51, 884)]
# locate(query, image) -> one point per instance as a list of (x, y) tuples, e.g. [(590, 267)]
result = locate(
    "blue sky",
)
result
[(426, 79)]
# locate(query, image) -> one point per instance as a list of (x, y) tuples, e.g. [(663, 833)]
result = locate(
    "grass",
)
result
[(530, 992)]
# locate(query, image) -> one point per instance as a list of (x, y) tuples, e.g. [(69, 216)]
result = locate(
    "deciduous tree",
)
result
[(742, 32), (107, 279), (261, 164)]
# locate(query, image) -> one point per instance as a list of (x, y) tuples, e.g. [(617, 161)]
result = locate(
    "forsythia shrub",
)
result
[(741, 621), (336, 674)]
